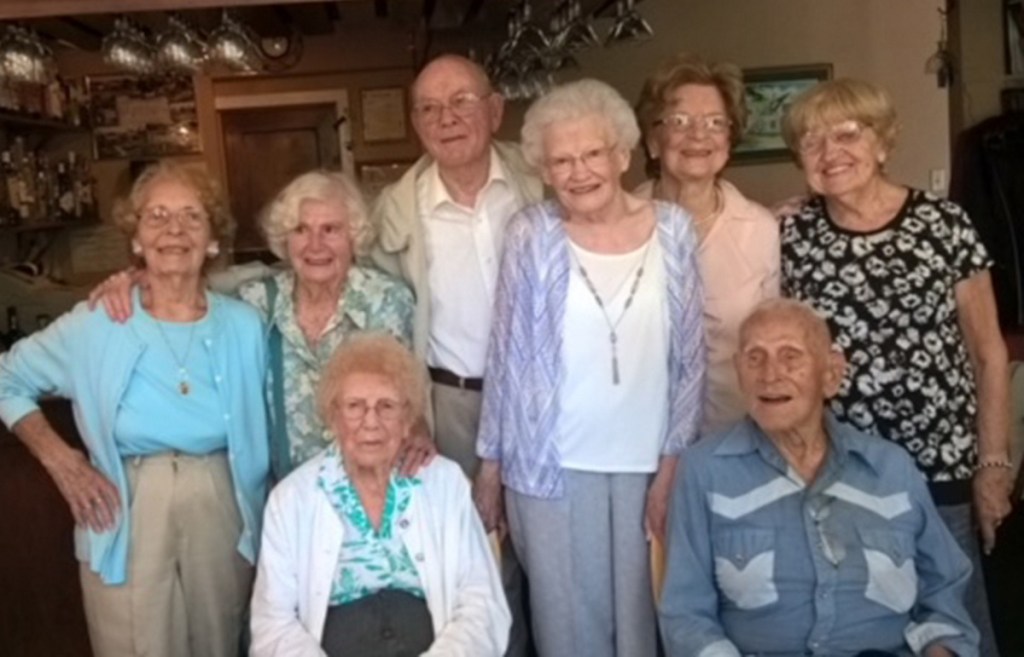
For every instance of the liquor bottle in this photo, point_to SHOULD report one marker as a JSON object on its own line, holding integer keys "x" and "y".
{"x": 14, "y": 332}
{"x": 11, "y": 189}
{"x": 27, "y": 188}
{"x": 65, "y": 194}
{"x": 84, "y": 188}
{"x": 43, "y": 210}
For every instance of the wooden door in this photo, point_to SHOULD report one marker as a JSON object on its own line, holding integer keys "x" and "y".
{"x": 264, "y": 149}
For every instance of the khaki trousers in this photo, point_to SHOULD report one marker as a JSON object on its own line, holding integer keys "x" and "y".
{"x": 188, "y": 588}
{"x": 456, "y": 420}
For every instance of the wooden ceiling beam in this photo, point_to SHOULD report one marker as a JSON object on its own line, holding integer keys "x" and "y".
{"x": 19, "y": 9}
{"x": 69, "y": 31}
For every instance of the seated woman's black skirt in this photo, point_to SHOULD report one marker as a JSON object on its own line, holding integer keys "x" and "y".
{"x": 386, "y": 624}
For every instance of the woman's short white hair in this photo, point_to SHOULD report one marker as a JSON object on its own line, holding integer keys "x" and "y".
{"x": 573, "y": 101}
{"x": 281, "y": 216}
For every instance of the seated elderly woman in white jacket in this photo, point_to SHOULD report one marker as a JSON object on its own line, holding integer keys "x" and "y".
{"x": 358, "y": 560}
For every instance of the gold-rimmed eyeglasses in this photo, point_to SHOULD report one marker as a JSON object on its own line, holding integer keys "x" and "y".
{"x": 355, "y": 409}
{"x": 844, "y": 133}
{"x": 715, "y": 124}
{"x": 160, "y": 217}
{"x": 462, "y": 104}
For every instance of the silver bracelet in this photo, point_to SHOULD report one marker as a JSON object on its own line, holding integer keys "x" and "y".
{"x": 994, "y": 463}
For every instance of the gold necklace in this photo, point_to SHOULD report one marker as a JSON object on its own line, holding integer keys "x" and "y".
{"x": 183, "y": 383}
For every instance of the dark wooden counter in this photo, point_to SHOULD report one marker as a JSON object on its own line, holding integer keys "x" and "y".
{"x": 40, "y": 597}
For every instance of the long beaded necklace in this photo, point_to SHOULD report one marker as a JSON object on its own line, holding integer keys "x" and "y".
{"x": 613, "y": 336}
{"x": 183, "y": 382}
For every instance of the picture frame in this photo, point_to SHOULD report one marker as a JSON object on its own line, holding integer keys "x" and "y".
{"x": 383, "y": 115}
{"x": 769, "y": 91}
{"x": 375, "y": 176}
{"x": 143, "y": 117}
{"x": 1013, "y": 40}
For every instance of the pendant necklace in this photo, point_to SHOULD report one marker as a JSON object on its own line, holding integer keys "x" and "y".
{"x": 613, "y": 336}
{"x": 183, "y": 385}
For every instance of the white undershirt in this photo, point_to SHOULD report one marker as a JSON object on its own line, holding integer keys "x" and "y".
{"x": 463, "y": 254}
{"x": 604, "y": 427}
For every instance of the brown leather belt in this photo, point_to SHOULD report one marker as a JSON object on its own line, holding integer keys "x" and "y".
{"x": 446, "y": 378}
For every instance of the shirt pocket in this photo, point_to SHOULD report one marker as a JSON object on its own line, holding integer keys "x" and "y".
{"x": 745, "y": 566}
{"x": 891, "y": 571}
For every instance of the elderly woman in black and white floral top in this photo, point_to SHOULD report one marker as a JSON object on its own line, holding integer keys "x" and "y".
{"x": 902, "y": 278}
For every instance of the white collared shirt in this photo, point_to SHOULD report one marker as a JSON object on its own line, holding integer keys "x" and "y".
{"x": 463, "y": 254}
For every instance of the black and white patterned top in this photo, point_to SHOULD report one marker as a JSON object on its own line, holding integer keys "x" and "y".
{"x": 888, "y": 296}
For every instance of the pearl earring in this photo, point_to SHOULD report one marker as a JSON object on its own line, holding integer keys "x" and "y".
{"x": 213, "y": 250}
{"x": 136, "y": 249}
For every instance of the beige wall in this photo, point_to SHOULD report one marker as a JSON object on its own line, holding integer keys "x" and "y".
{"x": 884, "y": 41}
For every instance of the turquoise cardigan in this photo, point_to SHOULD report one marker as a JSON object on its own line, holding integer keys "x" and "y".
{"x": 89, "y": 359}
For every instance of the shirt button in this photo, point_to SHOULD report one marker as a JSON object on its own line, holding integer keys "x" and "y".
{"x": 208, "y": 342}
{"x": 387, "y": 633}
{"x": 419, "y": 556}
{"x": 403, "y": 523}
{"x": 216, "y": 378}
{"x": 227, "y": 416}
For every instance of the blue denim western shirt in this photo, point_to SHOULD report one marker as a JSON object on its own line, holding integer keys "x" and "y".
{"x": 759, "y": 563}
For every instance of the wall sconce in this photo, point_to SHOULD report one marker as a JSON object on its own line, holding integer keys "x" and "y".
{"x": 940, "y": 64}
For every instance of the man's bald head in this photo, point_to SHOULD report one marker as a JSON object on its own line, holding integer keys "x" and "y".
{"x": 819, "y": 338}
{"x": 453, "y": 65}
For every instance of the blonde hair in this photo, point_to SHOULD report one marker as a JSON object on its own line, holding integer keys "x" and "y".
{"x": 840, "y": 100}
{"x": 378, "y": 354}
{"x": 573, "y": 101}
{"x": 281, "y": 216}
{"x": 687, "y": 68}
{"x": 126, "y": 208}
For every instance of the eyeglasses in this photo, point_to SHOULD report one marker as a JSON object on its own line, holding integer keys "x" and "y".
{"x": 590, "y": 160}
{"x": 462, "y": 104}
{"x": 387, "y": 410}
{"x": 831, "y": 547}
{"x": 715, "y": 124}
{"x": 844, "y": 133}
{"x": 160, "y": 217}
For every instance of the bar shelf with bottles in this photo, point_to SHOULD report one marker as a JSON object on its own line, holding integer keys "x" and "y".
{"x": 40, "y": 189}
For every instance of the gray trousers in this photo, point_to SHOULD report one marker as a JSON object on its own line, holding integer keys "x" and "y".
{"x": 588, "y": 563}
{"x": 960, "y": 521}
{"x": 456, "y": 420}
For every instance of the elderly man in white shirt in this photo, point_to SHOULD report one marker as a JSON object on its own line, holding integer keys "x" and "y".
{"x": 441, "y": 228}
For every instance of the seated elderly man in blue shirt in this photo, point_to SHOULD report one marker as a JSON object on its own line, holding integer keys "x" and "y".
{"x": 793, "y": 534}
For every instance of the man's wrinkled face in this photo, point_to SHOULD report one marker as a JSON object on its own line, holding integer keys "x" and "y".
{"x": 454, "y": 112}
{"x": 786, "y": 372}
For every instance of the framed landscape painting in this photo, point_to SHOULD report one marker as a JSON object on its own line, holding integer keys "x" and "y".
{"x": 769, "y": 91}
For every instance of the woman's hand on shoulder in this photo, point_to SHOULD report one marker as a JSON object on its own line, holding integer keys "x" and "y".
{"x": 115, "y": 293}
{"x": 417, "y": 450}
{"x": 789, "y": 206}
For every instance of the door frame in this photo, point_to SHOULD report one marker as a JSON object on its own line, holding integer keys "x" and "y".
{"x": 336, "y": 97}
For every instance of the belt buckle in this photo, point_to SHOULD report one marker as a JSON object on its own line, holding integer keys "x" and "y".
{"x": 462, "y": 382}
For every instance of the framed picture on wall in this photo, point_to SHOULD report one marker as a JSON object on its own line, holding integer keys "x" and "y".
{"x": 769, "y": 91}
{"x": 375, "y": 176}
{"x": 383, "y": 114}
{"x": 1013, "y": 26}
{"x": 143, "y": 118}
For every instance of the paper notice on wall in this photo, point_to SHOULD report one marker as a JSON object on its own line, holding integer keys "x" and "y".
{"x": 140, "y": 112}
{"x": 99, "y": 249}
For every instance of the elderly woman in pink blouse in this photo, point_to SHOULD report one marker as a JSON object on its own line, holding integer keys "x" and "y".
{"x": 692, "y": 113}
